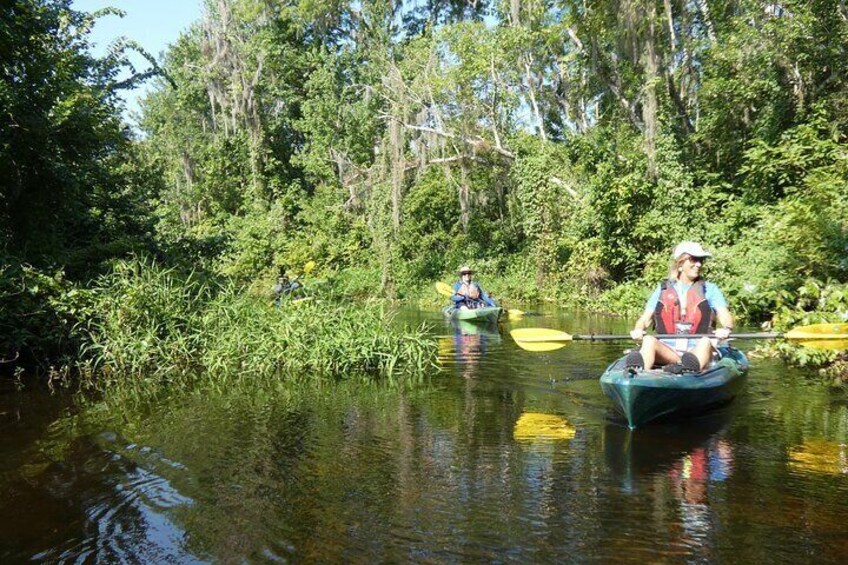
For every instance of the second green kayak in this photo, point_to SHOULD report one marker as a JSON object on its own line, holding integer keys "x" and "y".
{"x": 488, "y": 314}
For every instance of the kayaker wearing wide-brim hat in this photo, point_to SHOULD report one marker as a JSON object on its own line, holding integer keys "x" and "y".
{"x": 682, "y": 304}
{"x": 468, "y": 294}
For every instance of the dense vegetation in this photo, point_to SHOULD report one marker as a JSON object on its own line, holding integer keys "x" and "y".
{"x": 561, "y": 147}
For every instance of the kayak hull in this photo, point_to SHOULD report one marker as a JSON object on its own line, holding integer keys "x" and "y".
{"x": 651, "y": 395}
{"x": 486, "y": 315}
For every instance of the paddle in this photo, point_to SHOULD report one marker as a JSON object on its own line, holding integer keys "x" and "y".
{"x": 307, "y": 268}
{"x": 446, "y": 290}
{"x": 819, "y": 336}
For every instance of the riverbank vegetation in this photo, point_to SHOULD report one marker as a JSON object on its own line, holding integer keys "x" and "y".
{"x": 151, "y": 327}
{"x": 562, "y": 148}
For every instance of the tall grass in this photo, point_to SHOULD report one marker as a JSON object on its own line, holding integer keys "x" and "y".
{"x": 154, "y": 327}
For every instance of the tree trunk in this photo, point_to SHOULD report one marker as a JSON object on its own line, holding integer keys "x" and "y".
{"x": 531, "y": 88}
{"x": 669, "y": 16}
{"x": 649, "y": 105}
{"x": 464, "y": 196}
{"x": 704, "y": 8}
{"x": 397, "y": 164}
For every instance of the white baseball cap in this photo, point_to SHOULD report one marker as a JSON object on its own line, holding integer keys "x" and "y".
{"x": 690, "y": 248}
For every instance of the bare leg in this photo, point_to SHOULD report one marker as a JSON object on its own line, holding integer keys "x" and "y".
{"x": 654, "y": 351}
{"x": 703, "y": 350}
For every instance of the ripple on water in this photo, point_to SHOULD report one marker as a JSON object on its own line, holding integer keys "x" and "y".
{"x": 439, "y": 474}
{"x": 125, "y": 503}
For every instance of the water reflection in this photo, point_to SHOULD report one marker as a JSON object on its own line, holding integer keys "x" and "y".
{"x": 93, "y": 503}
{"x": 538, "y": 427}
{"x": 681, "y": 463}
{"x": 510, "y": 466}
{"x": 471, "y": 341}
{"x": 690, "y": 478}
{"x": 632, "y": 455}
{"x": 819, "y": 456}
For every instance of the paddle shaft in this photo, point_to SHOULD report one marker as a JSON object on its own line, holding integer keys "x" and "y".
{"x": 819, "y": 336}
{"x": 600, "y": 337}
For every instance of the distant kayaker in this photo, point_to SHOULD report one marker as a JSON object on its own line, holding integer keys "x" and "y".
{"x": 283, "y": 288}
{"x": 468, "y": 294}
{"x": 682, "y": 304}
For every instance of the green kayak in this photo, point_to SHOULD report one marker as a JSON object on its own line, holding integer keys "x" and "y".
{"x": 649, "y": 395}
{"x": 488, "y": 314}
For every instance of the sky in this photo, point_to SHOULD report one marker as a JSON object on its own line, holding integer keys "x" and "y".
{"x": 154, "y": 24}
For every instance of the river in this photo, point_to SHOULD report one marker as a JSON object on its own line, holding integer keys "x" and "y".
{"x": 501, "y": 456}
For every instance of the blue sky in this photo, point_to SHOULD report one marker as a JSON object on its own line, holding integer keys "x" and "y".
{"x": 152, "y": 23}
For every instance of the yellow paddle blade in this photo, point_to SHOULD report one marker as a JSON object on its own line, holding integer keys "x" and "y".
{"x": 540, "y": 339}
{"x": 820, "y": 336}
{"x": 444, "y": 289}
{"x": 308, "y": 267}
{"x": 540, "y": 346}
{"x": 535, "y": 426}
{"x": 515, "y": 314}
{"x": 446, "y": 348}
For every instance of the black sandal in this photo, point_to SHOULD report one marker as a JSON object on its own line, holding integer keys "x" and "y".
{"x": 634, "y": 360}
{"x": 689, "y": 363}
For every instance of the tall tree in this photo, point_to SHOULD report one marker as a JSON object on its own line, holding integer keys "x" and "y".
{"x": 62, "y": 144}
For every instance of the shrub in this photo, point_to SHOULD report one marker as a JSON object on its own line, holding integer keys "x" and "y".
{"x": 155, "y": 327}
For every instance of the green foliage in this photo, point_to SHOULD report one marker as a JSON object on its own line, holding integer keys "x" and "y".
{"x": 804, "y": 234}
{"x": 814, "y": 302}
{"x": 74, "y": 191}
{"x": 67, "y": 189}
{"x": 773, "y": 170}
{"x": 427, "y": 239}
{"x": 542, "y": 207}
{"x": 356, "y": 283}
{"x": 154, "y": 327}
{"x": 563, "y": 149}
{"x": 338, "y": 118}
{"x": 38, "y": 312}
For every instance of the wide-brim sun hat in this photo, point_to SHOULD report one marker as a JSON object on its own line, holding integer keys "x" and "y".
{"x": 690, "y": 248}
{"x": 466, "y": 269}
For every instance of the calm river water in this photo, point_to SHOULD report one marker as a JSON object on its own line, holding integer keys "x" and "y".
{"x": 502, "y": 456}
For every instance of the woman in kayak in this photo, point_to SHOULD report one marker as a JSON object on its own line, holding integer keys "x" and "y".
{"x": 682, "y": 304}
{"x": 468, "y": 294}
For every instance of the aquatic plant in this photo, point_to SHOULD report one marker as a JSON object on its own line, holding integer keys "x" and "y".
{"x": 156, "y": 327}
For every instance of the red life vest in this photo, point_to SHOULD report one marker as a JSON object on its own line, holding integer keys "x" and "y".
{"x": 669, "y": 312}
{"x": 471, "y": 291}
